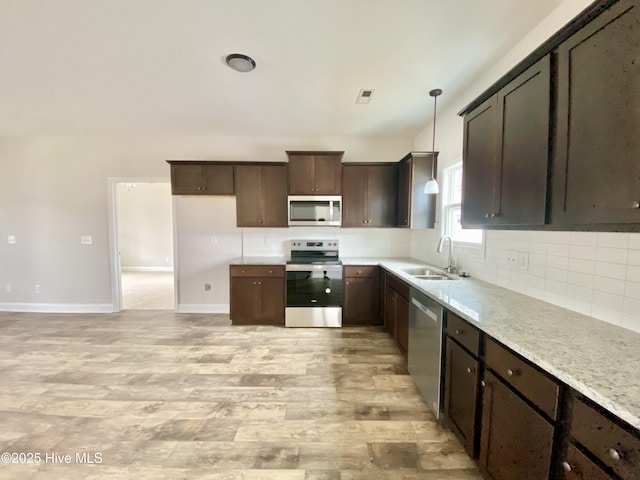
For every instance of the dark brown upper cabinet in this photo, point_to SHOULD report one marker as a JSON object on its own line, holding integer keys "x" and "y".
{"x": 370, "y": 194}
{"x": 201, "y": 178}
{"x": 506, "y": 153}
{"x": 415, "y": 208}
{"x": 597, "y": 160}
{"x": 261, "y": 195}
{"x": 315, "y": 173}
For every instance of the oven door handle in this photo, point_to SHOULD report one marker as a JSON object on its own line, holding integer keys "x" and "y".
{"x": 295, "y": 267}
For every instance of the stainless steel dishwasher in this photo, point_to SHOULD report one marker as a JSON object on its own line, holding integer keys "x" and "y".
{"x": 425, "y": 348}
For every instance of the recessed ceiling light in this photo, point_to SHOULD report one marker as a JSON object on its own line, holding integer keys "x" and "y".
{"x": 240, "y": 62}
{"x": 364, "y": 96}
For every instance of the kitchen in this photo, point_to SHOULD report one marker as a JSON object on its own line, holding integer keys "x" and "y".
{"x": 583, "y": 264}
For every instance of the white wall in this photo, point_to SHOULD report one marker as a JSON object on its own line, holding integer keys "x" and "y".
{"x": 54, "y": 189}
{"x": 597, "y": 274}
{"x": 145, "y": 226}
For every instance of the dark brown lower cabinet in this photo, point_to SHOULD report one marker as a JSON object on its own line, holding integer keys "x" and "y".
{"x": 257, "y": 295}
{"x": 462, "y": 372}
{"x": 577, "y": 466}
{"x": 361, "y": 296}
{"x": 396, "y": 311}
{"x": 515, "y": 441}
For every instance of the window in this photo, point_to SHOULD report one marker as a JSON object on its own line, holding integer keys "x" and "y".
{"x": 452, "y": 209}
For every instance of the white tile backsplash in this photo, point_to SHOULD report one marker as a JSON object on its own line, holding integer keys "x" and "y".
{"x": 594, "y": 273}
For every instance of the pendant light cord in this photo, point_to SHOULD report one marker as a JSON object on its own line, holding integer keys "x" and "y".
{"x": 433, "y": 144}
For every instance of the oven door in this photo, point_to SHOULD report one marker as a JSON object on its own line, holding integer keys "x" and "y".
{"x": 314, "y": 285}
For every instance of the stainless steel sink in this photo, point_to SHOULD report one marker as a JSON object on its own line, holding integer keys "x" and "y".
{"x": 428, "y": 273}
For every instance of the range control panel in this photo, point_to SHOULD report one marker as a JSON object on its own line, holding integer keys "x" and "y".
{"x": 314, "y": 245}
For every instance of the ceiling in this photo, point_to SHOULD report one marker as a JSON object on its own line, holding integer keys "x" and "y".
{"x": 157, "y": 66}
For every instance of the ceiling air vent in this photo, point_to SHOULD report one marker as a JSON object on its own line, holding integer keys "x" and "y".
{"x": 365, "y": 95}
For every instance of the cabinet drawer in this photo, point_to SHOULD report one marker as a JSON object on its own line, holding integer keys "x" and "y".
{"x": 577, "y": 466}
{"x": 356, "y": 271}
{"x": 607, "y": 440}
{"x": 257, "y": 270}
{"x": 461, "y": 331}
{"x": 532, "y": 383}
{"x": 398, "y": 285}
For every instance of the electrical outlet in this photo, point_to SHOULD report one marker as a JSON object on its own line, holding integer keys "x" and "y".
{"x": 523, "y": 261}
{"x": 11, "y": 239}
{"x": 207, "y": 287}
{"x": 86, "y": 240}
{"x": 511, "y": 258}
{"x": 214, "y": 240}
{"x": 36, "y": 289}
{"x": 9, "y": 288}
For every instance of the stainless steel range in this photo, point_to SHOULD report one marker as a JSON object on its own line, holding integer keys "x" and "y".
{"x": 314, "y": 284}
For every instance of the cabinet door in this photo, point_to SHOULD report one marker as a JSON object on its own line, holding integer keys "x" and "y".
{"x": 404, "y": 192}
{"x": 245, "y": 298}
{"x": 461, "y": 393}
{"x": 577, "y": 466}
{"x": 361, "y": 301}
{"x": 274, "y": 196}
{"x": 219, "y": 179}
{"x": 402, "y": 323}
{"x": 597, "y": 162}
{"x": 479, "y": 164}
{"x": 355, "y": 179}
{"x": 515, "y": 442}
{"x": 390, "y": 300}
{"x": 187, "y": 179}
{"x": 248, "y": 186}
{"x": 328, "y": 175}
{"x": 301, "y": 174}
{"x": 521, "y": 179}
{"x": 382, "y": 196}
{"x": 271, "y": 308}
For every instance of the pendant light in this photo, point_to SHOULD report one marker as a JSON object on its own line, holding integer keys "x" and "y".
{"x": 431, "y": 187}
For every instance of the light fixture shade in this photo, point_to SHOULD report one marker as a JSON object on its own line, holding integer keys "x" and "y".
{"x": 431, "y": 187}
{"x": 240, "y": 63}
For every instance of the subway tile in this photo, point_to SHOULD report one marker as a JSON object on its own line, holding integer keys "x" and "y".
{"x": 580, "y": 279}
{"x": 632, "y": 290}
{"x": 583, "y": 238}
{"x": 557, "y": 274}
{"x": 608, "y": 315}
{"x": 611, "y": 270}
{"x": 538, "y": 248}
{"x": 608, "y": 300}
{"x": 519, "y": 277}
{"x": 631, "y": 322}
{"x": 555, "y": 287}
{"x": 535, "y": 292}
{"x": 633, "y": 273}
{"x": 577, "y": 305}
{"x": 537, "y": 270}
{"x": 582, "y": 266}
{"x": 633, "y": 257}
{"x": 558, "y": 250}
{"x": 612, "y": 255}
{"x": 537, "y": 259}
{"x": 558, "y": 262}
{"x": 559, "y": 237}
{"x": 631, "y": 305}
{"x": 582, "y": 252}
{"x": 535, "y": 281}
{"x": 613, "y": 239}
{"x": 555, "y": 298}
{"x": 518, "y": 287}
{"x": 579, "y": 293}
{"x": 610, "y": 285}
{"x": 634, "y": 241}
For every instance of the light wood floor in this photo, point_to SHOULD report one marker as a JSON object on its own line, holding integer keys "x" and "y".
{"x": 165, "y": 396}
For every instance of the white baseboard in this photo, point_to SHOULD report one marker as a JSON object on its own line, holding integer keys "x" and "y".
{"x": 57, "y": 307}
{"x": 147, "y": 269}
{"x": 203, "y": 308}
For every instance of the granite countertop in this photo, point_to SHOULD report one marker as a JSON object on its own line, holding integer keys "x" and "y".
{"x": 599, "y": 360}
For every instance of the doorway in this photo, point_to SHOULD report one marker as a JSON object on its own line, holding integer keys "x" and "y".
{"x": 142, "y": 245}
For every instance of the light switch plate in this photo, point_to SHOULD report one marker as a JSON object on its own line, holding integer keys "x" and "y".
{"x": 11, "y": 239}
{"x": 86, "y": 240}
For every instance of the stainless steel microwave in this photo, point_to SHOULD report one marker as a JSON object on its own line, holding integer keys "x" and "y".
{"x": 317, "y": 211}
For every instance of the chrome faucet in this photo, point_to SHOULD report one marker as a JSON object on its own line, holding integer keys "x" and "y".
{"x": 451, "y": 267}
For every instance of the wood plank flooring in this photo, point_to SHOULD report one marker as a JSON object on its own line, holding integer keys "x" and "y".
{"x": 158, "y": 395}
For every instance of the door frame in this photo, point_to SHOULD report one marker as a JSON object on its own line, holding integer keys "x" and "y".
{"x": 114, "y": 247}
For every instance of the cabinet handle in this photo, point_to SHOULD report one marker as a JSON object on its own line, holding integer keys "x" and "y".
{"x": 458, "y": 331}
{"x": 511, "y": 373}
{"x": 486, "y": 215}
{"x": 566, "y": 467}
{"x": 470, "y": 370}
{"x": 347, "y": 283}
{"x": 635, "y": 205}
{"x": 270, "y": 271}
{"x": 613, "y": 453}
{"x": 483, "y": 383}
{"x": 359, "y": 272}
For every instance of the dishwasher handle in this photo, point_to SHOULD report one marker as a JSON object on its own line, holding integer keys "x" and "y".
{"x": 430, "y": 313}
